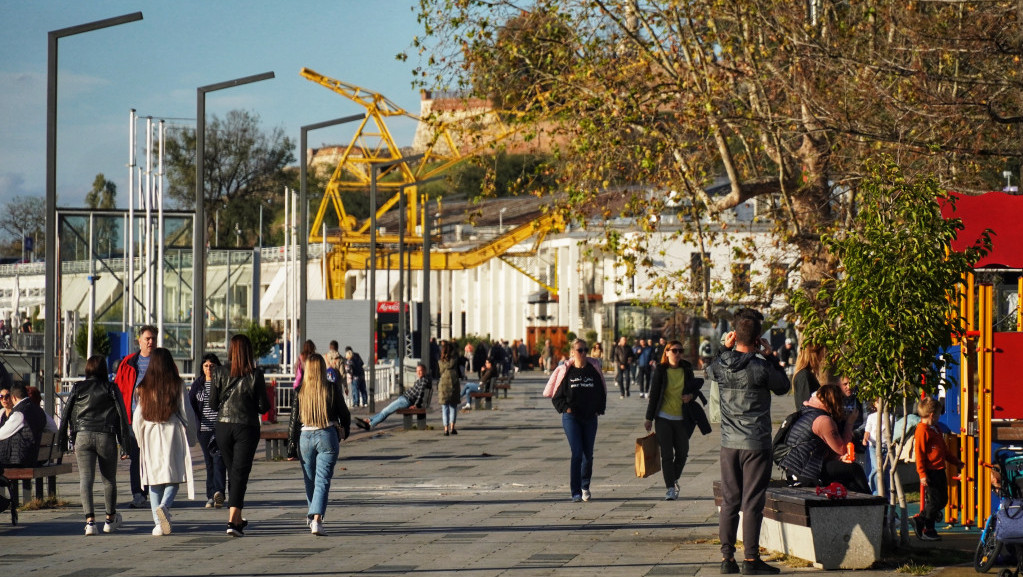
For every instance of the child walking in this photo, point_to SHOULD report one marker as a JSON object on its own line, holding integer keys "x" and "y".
{"x": 931, "y": 456}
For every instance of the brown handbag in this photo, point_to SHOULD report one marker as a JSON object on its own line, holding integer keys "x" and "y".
{"x": 648, "y": 456}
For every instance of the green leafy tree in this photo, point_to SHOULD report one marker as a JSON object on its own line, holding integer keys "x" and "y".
{"x": 263, "y": 338}
{"x": 103, "y": 195}
{"x": 893, "y": 310}
{"x": 100, "y": 341}
{"x": 25, "y": 216}
{"x": 244, "y": 166}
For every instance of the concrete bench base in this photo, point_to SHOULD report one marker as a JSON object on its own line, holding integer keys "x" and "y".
{"x": 481, "y": 400}
{"x": 830, "y": 533}
{"x": 420, "y": 415}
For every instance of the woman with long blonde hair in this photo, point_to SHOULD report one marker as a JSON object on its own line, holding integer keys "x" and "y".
{"x": 164, "y": 431}
{"x": 811, "y": 371}
{"x": 320, "y": 420}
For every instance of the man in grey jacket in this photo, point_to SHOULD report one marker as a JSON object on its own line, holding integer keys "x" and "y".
{"x": 746, "y": 376}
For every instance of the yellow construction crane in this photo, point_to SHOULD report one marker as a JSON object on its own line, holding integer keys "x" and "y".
{"x": 373, "y": 144}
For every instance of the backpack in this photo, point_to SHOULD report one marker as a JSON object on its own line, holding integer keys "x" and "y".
{"x": 779, "y": 444}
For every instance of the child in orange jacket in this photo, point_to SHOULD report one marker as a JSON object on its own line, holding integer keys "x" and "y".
{"x": 931, "y": 456}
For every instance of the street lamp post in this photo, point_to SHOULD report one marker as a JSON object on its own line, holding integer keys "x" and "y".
{"x": 303, "y": 221}
{"x": 199, "y": 225}
{"x": 50, "y": 324}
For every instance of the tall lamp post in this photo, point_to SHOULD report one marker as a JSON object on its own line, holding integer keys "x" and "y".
{"x": 303, "y": 222}
{"x": 199, "y": 226}
{"x": 50, "y": 325}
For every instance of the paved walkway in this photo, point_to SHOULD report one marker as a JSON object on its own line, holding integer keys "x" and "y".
{"x": 492, "y": 500}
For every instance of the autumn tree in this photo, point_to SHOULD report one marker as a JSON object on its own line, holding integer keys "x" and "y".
{"x": 25, "y": 216}
{"x": 244, "y": 166}
{"x": 772, "y": 101}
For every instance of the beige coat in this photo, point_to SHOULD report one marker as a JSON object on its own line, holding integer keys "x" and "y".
{"x": 163, "y": 447}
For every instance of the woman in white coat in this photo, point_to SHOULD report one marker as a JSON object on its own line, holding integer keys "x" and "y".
{"x": 164, "y": 431}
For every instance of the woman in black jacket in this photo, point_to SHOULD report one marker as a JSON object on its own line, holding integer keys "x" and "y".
{"x": 319, "y": 422}
{"x": 239, "y": 394}
{"x": 95, "y": 414}
{"x": 672, "y": 390}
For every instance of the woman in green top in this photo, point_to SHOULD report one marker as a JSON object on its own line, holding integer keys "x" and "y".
{"x": 668, "y": 394}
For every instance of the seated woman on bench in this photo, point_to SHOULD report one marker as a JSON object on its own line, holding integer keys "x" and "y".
{"x": 485, "y": 385}
{"x": 20, "y": 435}
{"x": 817, "y": 443}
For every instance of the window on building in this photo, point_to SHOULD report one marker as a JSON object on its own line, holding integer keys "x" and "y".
{"x": 741, "y": 278}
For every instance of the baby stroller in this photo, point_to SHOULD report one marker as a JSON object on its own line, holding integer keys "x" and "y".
{"x": 1007, "y": 478}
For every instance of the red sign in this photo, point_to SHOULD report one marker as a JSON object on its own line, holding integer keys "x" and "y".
{"x": 389, "y": 307}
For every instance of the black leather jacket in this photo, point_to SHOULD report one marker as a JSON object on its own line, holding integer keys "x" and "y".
{"x": 337, "y": 411}
{"x": 238, "y": 400}
{"x": 95, "y": 407}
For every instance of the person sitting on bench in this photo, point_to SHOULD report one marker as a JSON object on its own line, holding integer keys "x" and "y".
{"x": 415, "y": 396}
{"x": 20, "y": 435}
{"x": 485, "y": 385}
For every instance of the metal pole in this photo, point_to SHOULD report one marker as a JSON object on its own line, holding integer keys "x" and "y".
{"x": 129, "y": 250}
{"x": 372, "y": 287}
{"x": 149, "y": 220}
{"x": 289, "y": 338}
{"x": 424, "y": 320}
{"x": 401, "y": 291}
{"x": 199, "y": 226}
{"x": 92, "y": 283}
{"x": 52, "y": 266}
{"x": 303, "y": 199}
{"x": 160, "y": 239}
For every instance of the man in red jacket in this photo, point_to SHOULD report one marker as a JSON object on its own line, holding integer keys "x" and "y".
{"x": 129, "y": 375}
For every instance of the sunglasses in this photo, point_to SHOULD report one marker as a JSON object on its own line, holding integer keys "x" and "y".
{"x": 676, "y": 351}
{"x": 4, "y": 396}
{"x": 583, "y": 351}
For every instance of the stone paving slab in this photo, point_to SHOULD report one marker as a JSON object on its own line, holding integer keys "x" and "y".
{"x": 491, "y": 501}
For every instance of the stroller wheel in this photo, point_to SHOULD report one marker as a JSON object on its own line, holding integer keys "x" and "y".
{"x": 1005, "y": 572}
{"x": 988, "y": 548}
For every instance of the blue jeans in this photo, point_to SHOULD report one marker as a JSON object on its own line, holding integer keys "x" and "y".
{"x": 871, "y": 468}
{"x": 448, "y": 413}
{"x": 399, "y": 403}
{"x": 359, "y": 394}
{"x": 469, "y": 388}
{"x": 581, "y": 433}
{"x": 318, "y": 451}
{"x": 162, "y": 495}
{"x": 216, "y": 469}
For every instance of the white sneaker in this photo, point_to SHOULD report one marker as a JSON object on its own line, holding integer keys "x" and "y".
{"x": 163, "y": 517}
{"x": 91, "y": 529}
{"x": 586, "y": 494}
{"x": 316, "y": 528}
{"x": 467, "y": 406}
{"x": 157, "y": 531}
{"x": 138, "y": 501}
{"x": 112, "y": 524}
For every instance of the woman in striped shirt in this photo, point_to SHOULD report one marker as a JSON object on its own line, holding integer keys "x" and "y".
{"x": 198, "y": 397}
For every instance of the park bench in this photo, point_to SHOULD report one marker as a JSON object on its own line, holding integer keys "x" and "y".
{"x": 830, "y": 533}
{"x": 48, "y": 465}
{"x": 419, "y": 414}
{"x": 504, "y": 383}
{"x": 481, "y": 400}
{"x": 275, "y": 439}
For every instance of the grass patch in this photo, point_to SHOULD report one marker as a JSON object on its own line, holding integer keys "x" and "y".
{"x": 914, "y": 568}
{"x": 787, "y": 560}
{"x": 48, "y": 503}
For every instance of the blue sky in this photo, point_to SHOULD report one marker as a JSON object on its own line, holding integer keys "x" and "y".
{"x": 155, "y": 66}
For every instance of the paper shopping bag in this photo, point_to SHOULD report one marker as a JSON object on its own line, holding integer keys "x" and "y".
{"x": 648, "y": 456}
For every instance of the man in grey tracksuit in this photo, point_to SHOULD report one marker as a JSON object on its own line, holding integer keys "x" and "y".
{"x": 746, "y": 376}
